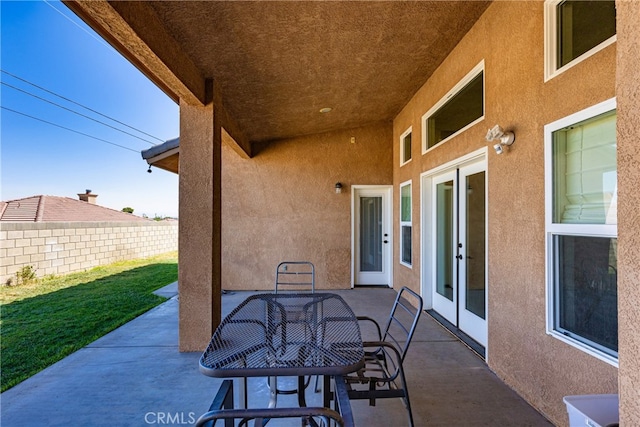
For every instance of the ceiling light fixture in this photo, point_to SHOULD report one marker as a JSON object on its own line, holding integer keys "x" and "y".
{"x": 326, "y": 110}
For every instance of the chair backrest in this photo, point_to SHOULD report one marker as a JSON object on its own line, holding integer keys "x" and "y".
{"x": 402, "y": 321}
{"x": 295, "y": 276}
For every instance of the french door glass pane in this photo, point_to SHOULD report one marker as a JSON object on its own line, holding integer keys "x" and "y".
{"x": 444, "y": 239}
{"x": 371, "y": 234}
{"x": 475, "y": 239}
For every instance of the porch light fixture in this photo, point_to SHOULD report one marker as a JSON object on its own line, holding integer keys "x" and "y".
{"x": 338, "y": 188}
{"x": 503, "y": 138}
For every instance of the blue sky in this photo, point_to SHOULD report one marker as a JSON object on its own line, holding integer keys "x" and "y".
{"x": 62, "y": 55}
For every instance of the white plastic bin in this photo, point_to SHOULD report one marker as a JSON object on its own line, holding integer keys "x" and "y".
{"x": 592, "y": 410}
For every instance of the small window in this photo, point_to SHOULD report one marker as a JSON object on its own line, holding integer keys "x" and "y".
{"x": 405, "y": 147}
{"x": 405, "y": 224}
{"x": 581, "y": 194}
{"x": 575, "y": 30}
{"x": 462, "y": 107}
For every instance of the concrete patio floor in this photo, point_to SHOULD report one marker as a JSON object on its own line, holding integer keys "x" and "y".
{"x": 135, "y": 376}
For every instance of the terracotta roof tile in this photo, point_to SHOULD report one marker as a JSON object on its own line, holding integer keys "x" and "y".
{"x": 59, "y": 209}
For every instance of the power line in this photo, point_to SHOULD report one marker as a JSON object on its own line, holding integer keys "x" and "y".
{"x": 69, "y": 129}
{"x": 80, "y": 105}
{"x": 77, "y": 25}
{"x": 75, "y": 112}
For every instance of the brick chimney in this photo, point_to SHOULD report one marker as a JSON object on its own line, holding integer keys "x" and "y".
{"x": 87, "y": 196}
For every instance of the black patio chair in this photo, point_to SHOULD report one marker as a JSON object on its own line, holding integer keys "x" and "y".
{"x": 295, "y": 276}
{"x": 383, "y": 374}
{"x": 222, "y": 408}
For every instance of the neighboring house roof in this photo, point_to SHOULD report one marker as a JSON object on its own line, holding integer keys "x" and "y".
{"x": 59, "y": 209}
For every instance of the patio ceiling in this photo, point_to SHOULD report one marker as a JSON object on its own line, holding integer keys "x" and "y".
{"x": 277, "y": 64}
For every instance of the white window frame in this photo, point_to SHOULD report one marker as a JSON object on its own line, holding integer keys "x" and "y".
{"x": 405, "y": 223}
{"x": 584, "y": 230}
{"x": 551, "y": 69}
{"x": 454, "y": 91}
{"x": 402, "y": 152}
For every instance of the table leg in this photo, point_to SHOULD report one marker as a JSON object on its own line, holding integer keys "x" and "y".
{"x": 302, "y": 400}
{"x": 273, "y": 392}
{"x": 242, "y": 393}
{"x": 341, "y": 400}
{"x": 326, "y": 391}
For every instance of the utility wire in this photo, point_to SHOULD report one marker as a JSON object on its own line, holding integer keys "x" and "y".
{"x": 66, "y": 128}
{"x": 77, "y": 25}
{"x": 75, "y": 112}
{"x": 80, "y": 105}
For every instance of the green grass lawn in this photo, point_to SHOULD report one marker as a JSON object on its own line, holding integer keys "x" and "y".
{"x": 43, "y": 322}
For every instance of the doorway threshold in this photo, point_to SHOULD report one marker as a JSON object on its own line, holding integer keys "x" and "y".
{"x": 466, "y": 339}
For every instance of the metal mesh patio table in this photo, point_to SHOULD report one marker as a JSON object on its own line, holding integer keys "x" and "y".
{"x": 287, "y": 334}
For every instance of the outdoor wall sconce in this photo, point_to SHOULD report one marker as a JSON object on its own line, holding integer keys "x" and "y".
{"x": 504, "y": 138}
{"x": 338, "y": 188}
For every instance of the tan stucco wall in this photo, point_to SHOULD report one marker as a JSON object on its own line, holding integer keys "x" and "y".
{"x": 67, "y": 247}
{"x": 281, "y": 204}
{"x": 509, "y": 38}
{"x": 628, "y": 99}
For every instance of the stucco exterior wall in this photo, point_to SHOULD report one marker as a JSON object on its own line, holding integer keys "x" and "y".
{"x": 67, "y": 247}
{"x": 628, "y": 99}
{"x": 281, "y": 204}
{"x": 509, "y": 37}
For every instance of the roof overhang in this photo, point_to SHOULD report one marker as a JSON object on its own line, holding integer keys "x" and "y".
{"x": 164, "y": 156}
{"x": 276, "y": 64}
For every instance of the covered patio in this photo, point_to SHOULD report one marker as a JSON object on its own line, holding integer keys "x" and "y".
{"x": 135, "y": 376}
{"x": 282, "y": 103}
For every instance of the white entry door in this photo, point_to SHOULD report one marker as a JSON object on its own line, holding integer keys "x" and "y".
{"x": 458, "y": 260}
{"x": 372, "y": 236}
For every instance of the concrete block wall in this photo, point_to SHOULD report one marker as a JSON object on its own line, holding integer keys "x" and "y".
{"x": 66, "y": 247}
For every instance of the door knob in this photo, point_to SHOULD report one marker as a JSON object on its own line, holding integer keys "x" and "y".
{"x": 459, "y": 257}
{"x": 386, "y": 241}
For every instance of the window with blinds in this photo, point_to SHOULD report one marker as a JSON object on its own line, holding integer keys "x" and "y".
{"x": 405, "y": 224}
{"x": 585, "y": 172}
{"x": 581, "y": 230}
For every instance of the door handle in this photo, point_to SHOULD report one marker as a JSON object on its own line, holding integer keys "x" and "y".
{"x": 385, "y": 241}
{"x": 459, "y": 257}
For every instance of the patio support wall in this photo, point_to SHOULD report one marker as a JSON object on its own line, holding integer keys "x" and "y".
{"x": 628, "y": 101}
{"x": 199, "y": 274}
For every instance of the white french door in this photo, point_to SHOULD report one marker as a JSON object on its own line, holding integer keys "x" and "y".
{"x": 445, "y": 236}
{"x": 458, "y": 248}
